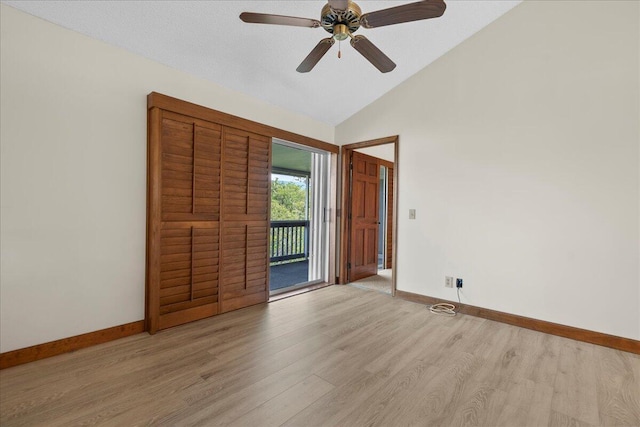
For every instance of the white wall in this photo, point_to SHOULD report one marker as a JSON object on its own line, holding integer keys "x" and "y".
{"x": 73, "y": 176}
{"x": 384, "y": 151}
{"x": 520, "y": 151}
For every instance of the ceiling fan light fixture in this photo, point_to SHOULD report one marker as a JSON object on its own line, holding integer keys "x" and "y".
{"x": 340, "y": 32}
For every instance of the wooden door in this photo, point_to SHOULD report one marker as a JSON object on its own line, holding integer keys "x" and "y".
{"x": 184, "y": 214}
{"x": 245, "y": 219}
{"x": 363, "y": 248}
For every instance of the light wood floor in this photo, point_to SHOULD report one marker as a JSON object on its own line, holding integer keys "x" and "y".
{"x": 337, "y": 356}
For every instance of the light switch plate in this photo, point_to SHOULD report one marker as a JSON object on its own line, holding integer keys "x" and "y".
{"x": 412, "y": 214}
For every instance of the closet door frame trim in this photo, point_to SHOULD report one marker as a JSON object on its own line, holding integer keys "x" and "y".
{"x": 167, "y": 103}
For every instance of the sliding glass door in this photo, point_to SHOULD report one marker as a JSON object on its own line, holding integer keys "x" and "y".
{"x": 299, "y": 235}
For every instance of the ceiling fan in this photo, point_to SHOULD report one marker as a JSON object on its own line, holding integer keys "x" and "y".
{"x": 342, "y": 18}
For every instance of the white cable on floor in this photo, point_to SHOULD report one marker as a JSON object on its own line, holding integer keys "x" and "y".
{"x": 443, "y": 309}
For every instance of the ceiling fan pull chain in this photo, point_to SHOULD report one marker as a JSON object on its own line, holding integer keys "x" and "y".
{"x": 339, "y": 49}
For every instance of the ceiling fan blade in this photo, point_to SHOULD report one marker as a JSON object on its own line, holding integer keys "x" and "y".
{"x": 266, "y": 18}
{"x": 373, "y": 54}
{"x": 339, "y": 4}
{"x": 315, "y": 55}
{"x": 406, "y": 13}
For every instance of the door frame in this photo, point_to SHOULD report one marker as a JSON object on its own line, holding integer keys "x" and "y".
{"x": 330, "y": 217}
{"x": 389, "y": 216}
{"x": 345, "y": 185}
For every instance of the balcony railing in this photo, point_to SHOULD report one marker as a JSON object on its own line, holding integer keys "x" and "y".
{"x": 289, "y": 240}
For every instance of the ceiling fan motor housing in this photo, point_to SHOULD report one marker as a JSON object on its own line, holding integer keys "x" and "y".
{"x": 349, "y": 17}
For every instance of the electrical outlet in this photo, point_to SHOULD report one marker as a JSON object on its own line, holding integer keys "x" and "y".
{"x": 412, "y": 214}
{"x": 458, "y": 283}
{"x": 448, "y": 282}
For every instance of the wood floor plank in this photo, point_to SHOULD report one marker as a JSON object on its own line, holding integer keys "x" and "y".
{"x": 575, "y": 392}
{"x": 412, "y": 346}
{"x": 558, "y": 419}
{"x": 104, "y": 399}
{"x": 229, "y": 406}
{"x": 374, "y": 341}
{"x": 339, "y": 402}
{"x": 278, "y": 410}
{"x": 617, "y": 387}
{"x": 527, "y": 403}
{"x": 389, "y": 397}
{"x": 479, "y": 405}
{"x": 541, "y": 362}
{"x": 434, "y": 400}
{"x": 224, "y": 379}
{"x": 339, "y": 355}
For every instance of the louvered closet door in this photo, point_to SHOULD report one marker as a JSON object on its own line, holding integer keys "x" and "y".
{"x": 245, "y": 219}
{"x": 189, "y": 265}
{"x": 190, "y": 169}
{"x": 184, "y": 278}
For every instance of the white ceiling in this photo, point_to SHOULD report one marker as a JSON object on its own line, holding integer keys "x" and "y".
{"x": 208, "y": 40}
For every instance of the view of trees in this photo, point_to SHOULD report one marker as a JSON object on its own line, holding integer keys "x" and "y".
{"x": 288, "y": 199}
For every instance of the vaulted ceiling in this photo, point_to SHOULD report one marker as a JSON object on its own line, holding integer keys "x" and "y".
{"x": 208, "y": 40}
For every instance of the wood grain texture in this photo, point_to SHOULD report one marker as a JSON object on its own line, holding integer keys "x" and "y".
{"x": 371, "y": 142}
{"x": 425, "y": 9}
{"x": 315, "y": 55}
{"x": 396, "y": 196}
{"x": 154, "y": 219}
{"x": 168, "y": 103}
{"x": 344, "y": 225}
{"x": 190, "y": 165}
{"x": 183, "y": 245}
{"x": 189, "y": 266}
{"x": 208, "y": 213}
{"x": 335, "y": 356}
{"x": 245, "y": 219}
{"x": 245, "y": 176}
{"x": 599, "y": 338}
{"x": 364, "y": 216}
{"x": 66, "y": 345}
{"x": 380, "y": 282}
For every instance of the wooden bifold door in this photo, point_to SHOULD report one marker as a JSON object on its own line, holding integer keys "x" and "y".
{"x": 245, "y": 218}
{"x": 208, "y": 219}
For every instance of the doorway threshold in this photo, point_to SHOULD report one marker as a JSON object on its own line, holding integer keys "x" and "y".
{"x": 298, "y": 291}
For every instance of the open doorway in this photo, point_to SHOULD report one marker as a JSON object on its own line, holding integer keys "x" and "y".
{"x": 299, "y": 232}
{"x": 385, "y": 223}
{"x": 368, "y": 228}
